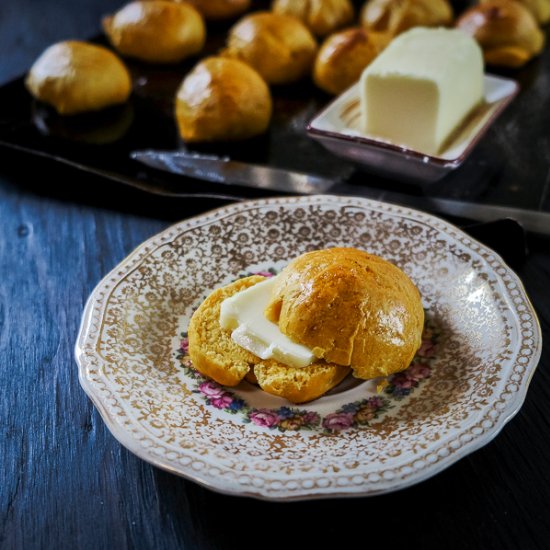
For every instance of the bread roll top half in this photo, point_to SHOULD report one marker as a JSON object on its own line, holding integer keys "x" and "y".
{"x": 350, "y": 308}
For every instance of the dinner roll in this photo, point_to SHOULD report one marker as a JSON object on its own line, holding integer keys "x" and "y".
{"x": 214, "y": 354}
{"x": 343, "y": 56}
{"x": 322, "y": 17}
{"x": 350, "y": 308}
{"x": 220, "y": 9}
{"x": 222, "y": 99}
{"x": 539, "y": 8}
{"x": 279, "y": 47}
{"x": 156, "y": 31}
{"x": 506, "y": 31}
{"x": 76, "y": 77}
{"x": 397, "y": 16}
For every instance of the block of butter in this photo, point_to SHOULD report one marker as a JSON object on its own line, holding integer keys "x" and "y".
{"x": 421, "y": 87}
{"x": 243, "y": 313}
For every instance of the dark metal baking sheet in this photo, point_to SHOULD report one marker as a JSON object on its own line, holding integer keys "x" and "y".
{"x": 510, "y": 166}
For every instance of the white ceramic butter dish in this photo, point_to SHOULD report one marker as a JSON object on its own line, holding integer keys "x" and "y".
{"x": 337, "y": 128}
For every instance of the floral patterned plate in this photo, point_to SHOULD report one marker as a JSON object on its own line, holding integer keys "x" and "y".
{"x": 481, "y": 345}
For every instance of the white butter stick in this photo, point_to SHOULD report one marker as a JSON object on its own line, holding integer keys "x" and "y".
{"x": 421, "y": 87}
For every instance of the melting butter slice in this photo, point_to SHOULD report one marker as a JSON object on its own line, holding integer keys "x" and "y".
{"x": 421, "y": 87}
{"x": 243, "y": 313}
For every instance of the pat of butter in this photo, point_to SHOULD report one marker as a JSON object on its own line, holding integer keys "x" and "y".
{"x": 243, "y": 313}
{"x": 421, "y": 87}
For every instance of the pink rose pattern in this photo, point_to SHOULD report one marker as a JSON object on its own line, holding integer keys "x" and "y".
{"x": 211, "y": 389}
{"x": 403, "y": 383}
{"x": 356, "y": 414}
{"x": 264, "y": 417}
{"x": 338, "y": 421}
{"x": 284, "y": 419}
{"x": 352, "y": 415}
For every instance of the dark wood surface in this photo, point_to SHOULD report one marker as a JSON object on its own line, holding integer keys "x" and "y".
{"x": 65, "y": 482}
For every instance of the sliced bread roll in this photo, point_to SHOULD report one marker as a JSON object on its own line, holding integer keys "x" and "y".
{"x": 214, "y": 354}
{"x": 299, "y": 385}
{"x": 211, "y": 349}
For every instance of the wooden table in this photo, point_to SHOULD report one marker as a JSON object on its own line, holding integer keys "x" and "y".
{"x": 65, "y": 482}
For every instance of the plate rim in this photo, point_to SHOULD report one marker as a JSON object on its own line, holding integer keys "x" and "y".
{"x": 93, "y": 303}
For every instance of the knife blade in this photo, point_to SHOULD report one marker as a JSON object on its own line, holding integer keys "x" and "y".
{"x": 535, "y": 221}
{"x": 231, "y": 172}
{"x": 228, "y": 172}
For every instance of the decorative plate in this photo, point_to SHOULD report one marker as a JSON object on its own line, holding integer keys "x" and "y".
{"x": 481, "y": 345}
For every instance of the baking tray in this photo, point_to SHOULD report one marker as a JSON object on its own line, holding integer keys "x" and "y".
{"x": 510, "y": 165}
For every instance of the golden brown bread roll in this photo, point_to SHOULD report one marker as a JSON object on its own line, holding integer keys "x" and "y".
{"x": 322, "y": 17}
{"x": 222, "y": 99}
{"x": 299, "y": 385}
{"x": 343, "y": 56}
{"x": 506, "y": 31}
{"x": 539, "y": 8}
{"x": 279, "y": 47}
{"x": 214, "y": 354}
{"x": 350, "y": 308}
{"x": 76, "y": 77}
{"x": 397, "y": 16}
{"x": 220, "y": 9}
{"x": 157, "y": 31}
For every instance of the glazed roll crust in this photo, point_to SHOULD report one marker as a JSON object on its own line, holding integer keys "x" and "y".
{"x": 279, "y": 47}
{"x": 343, "y": 57}
{"x": 76, "y": 77}
{"x": 322, "y": 17}
{"x": 506, "y": 31}
{"x": 397, "y": 16}
{"x": 156, "y": 31}
{"x": 222, "y": 100}
{"x": 350, "y": 308}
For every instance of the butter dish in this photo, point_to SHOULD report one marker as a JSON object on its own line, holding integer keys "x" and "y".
{"x": 337, "y": 128}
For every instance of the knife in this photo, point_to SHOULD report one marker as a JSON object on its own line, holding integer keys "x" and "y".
{"x": 230, "y": 172}
{"x": 535, "y": 221}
